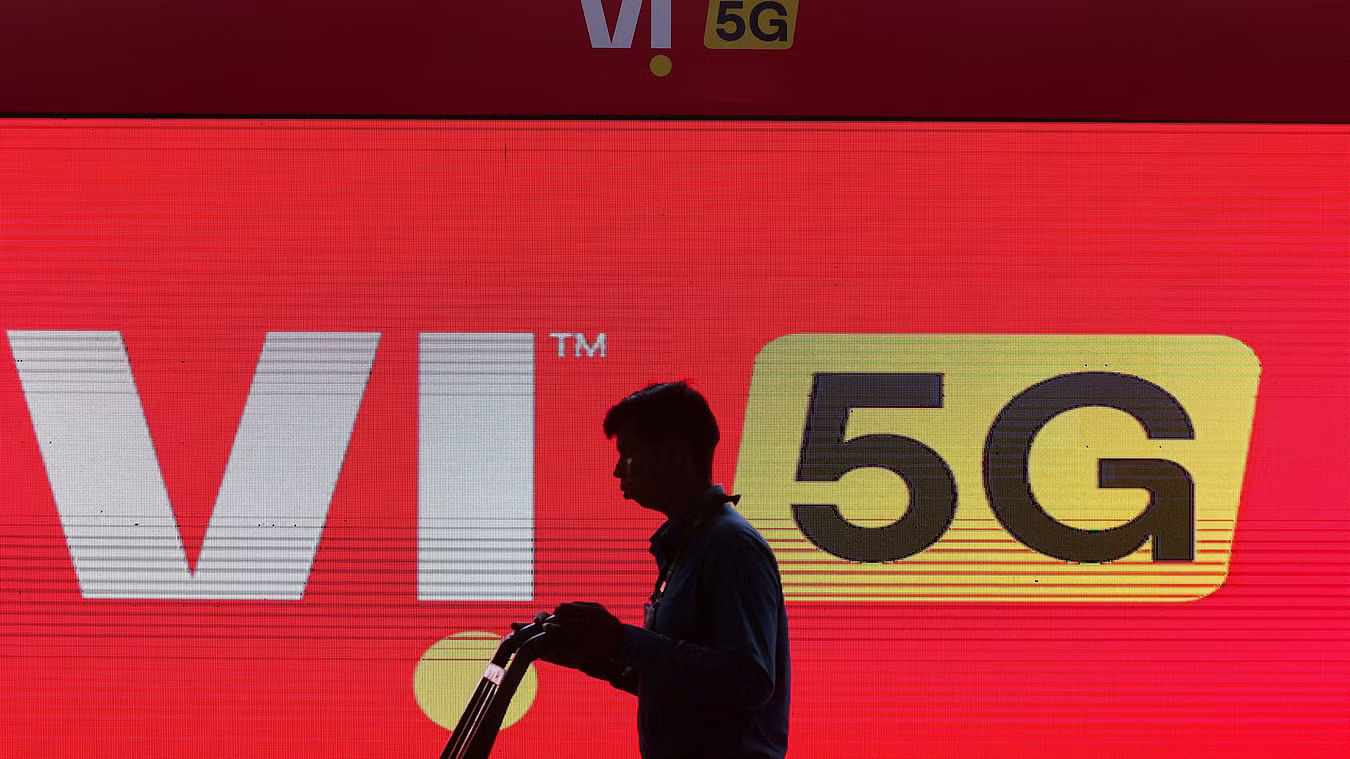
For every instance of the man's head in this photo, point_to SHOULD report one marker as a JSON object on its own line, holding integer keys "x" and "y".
{"x": 666, "y": 435}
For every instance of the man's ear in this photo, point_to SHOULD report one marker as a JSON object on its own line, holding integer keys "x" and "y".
{"x": 675, "y": 454}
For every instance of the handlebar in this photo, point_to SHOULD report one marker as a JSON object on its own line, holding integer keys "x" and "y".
{"x": 477, "y": 728}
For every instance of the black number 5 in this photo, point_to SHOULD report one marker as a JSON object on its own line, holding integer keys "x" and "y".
{"x": 724, "y": 17}
{"x": 827, "y": 456}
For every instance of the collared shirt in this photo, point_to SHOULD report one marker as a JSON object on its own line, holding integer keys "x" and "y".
{"x": 712, "y": 674}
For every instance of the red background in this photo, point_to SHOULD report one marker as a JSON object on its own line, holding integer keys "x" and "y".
{"x": 691, "y": 246}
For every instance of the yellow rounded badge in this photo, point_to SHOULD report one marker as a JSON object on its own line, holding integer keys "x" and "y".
{"x": 998, "y": 467}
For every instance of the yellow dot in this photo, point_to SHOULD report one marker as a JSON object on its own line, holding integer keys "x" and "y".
{"x": 449, "y": 672}
{"x": 660, "y": 65}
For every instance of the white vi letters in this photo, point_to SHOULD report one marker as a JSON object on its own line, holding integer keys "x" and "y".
{"x": 475, "y": 430}
{"x": 598, "y": 26}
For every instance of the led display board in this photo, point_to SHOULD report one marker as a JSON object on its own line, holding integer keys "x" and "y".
{"x": 1046, "y": 424}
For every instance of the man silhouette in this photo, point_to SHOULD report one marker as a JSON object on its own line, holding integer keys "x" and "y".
{"x": 710, "y": 664}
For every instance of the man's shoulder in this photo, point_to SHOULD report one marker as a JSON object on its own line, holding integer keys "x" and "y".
{"x": 734, "y": 548}
{"x": 730, "y": 531}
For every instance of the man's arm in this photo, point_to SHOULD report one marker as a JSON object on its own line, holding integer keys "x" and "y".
{"x": 614, "y": 672}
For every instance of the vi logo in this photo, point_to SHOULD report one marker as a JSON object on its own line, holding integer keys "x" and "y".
{"x": 729, "y": 25}
{"x": 879, "y": 467}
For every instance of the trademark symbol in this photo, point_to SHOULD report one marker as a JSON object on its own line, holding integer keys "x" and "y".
{"x": 579, "y": 343}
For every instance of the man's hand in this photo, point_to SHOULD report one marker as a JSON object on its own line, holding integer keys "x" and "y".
{"x": 552, "y": 649}
{"x": 580, "y": 635}
{"x": 588, "y": 629}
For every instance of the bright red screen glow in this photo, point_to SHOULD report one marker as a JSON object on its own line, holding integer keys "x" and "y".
{"x": 690, "y": 246}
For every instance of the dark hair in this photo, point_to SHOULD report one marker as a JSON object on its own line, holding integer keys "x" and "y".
{"x": 668, "y": 411}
